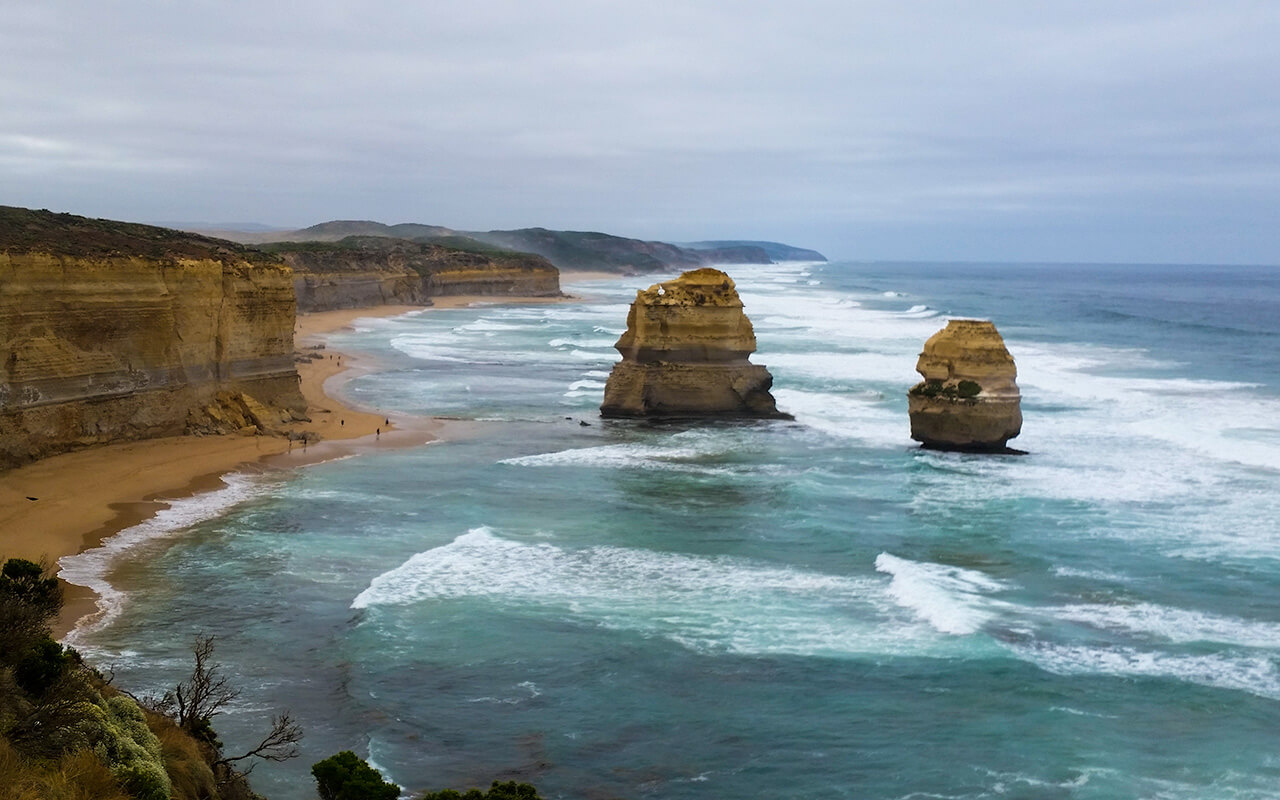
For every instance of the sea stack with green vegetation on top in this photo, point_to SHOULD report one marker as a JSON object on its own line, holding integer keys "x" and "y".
{"x": 969, "y": 398}
{"x": 685, "y": 354}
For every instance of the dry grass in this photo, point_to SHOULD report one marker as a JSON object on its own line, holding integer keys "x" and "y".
{"x": 76, "y": 776}
{"x": 183, "y": 760}
{"x": 82, "y": 776}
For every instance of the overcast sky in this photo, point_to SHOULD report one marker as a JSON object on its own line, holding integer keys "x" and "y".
{"x": 985, "y": 130}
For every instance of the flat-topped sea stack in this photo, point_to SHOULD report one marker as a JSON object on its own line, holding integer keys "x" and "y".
{"x": 685, "y": 354}
{"x": 969, "y": 397}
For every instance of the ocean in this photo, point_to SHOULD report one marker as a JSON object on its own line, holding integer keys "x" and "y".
{"x": 777, "y": 609}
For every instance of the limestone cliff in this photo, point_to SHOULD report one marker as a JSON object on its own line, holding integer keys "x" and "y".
{"x": 111, "y": 331}
{"x": 360, "y": 271}
{"x": 969, "y": 398}
{"x": 685, "y": 354}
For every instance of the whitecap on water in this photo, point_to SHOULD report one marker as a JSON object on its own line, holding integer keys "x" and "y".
{"x": 1255, "y": 674}
{"x": 1165, "y": 624}
{"x": 948, "y": 598}
{"x": 681, "y": 454}
{"x": 708, "y": 604}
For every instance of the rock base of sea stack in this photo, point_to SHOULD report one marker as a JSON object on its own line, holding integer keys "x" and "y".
{"x": 969, "y": 399}
{"x": 666, "y": 390}
{"x": 965, "y": 425}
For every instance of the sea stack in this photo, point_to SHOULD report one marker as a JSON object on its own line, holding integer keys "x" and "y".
{"x": 685, "y": 353}
{"x": 969, "y": 397}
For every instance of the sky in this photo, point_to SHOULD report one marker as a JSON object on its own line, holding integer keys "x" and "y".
{"x": 1116, "y": 131}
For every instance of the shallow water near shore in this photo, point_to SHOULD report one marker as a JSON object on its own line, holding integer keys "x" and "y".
{"x": 773, "y": 609}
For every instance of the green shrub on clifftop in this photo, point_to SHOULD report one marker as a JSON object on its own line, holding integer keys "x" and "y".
{"x": 132, "y": 751}
{"x": 29, "y": 600}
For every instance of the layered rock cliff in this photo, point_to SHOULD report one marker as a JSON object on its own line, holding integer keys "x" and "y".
{"x": 111, "y": 331}
{"x": 969, "y": 398}
{"x": 360, "y": 271}
{"x": 685, "y": 354}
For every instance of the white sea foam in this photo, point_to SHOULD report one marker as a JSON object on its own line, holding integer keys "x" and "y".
{"x": 678, "y": 456}
{"x": 1075, "y": 712}
{"x": 1255, "y": 674}
{"x": 948, "y": 598}
{"x": 860, "y": 368}
{"x": 862, "y": 416}
{"x": 488, "y": 325}
{"x": 920, "y": 311}
{"x": 373, "y": 762}
{"x": 600, "y": 344}
{"x": 595, "y": 355}
{"x": 706, "y": 604}
{"x": 90, "y": 568}
{"x": 1090, "y": 574}
{"x": 434, "y": 348}
{"x": 1151, "y": 621}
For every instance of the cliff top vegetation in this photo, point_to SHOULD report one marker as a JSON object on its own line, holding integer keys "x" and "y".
{"x": 342, "y": 228}
{"x": 23, "y": 230}
{"x": 580, "y": 250}
{"x": 423, "y": 256}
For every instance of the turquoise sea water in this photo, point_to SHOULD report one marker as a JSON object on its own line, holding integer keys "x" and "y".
{"x": 779, "y": 609}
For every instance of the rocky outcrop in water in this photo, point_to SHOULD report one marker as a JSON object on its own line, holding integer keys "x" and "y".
{"x": 361, "y": 271}
{"x": 969, "y": 398}
{"x": 111, "y": 331}
{"x": 685, "y": 354}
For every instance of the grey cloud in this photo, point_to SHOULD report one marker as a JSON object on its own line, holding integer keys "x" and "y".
{"x": 1001, "y": 130}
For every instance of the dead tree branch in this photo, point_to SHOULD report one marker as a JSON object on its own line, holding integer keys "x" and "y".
{"x": 280, "y": 743}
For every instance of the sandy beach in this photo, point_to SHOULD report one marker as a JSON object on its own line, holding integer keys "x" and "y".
{"x": 71, "y": 502}
{"x": 586, "y": 275}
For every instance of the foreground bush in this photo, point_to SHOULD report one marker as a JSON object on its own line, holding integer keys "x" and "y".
{"x": 498, "y": 791}
{"x": 347, "y": 776}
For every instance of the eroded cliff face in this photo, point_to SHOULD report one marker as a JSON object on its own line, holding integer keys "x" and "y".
{"x": 361, "y": 271}
{"x": 969, "y": 398}
{"x": 685, "y": 354}
{"x": 108, "y": 338}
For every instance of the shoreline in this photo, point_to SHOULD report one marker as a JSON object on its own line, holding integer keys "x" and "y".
{"x": 85, "y": 497}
